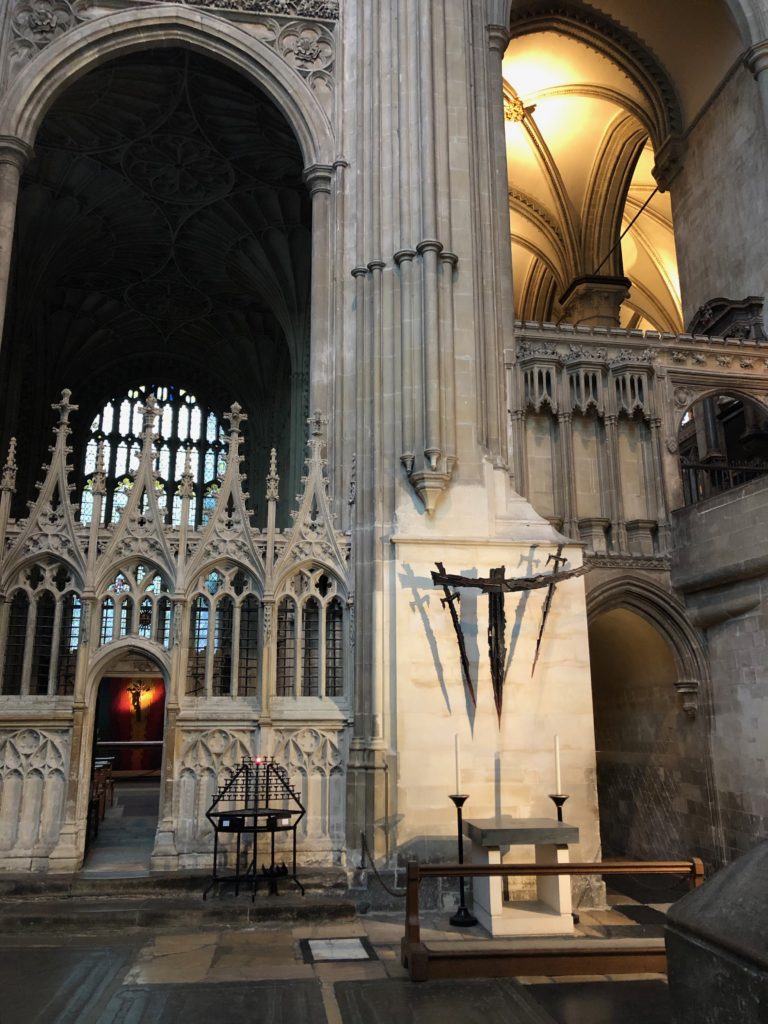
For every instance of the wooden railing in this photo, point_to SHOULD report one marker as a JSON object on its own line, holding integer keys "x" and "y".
{"x": 493, "y": 959}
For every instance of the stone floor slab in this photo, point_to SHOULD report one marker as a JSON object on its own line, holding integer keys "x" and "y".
{"x": 473, "y": 1001}
{"x": 605, "y": 1002}
{"x": 268, "y": 1002}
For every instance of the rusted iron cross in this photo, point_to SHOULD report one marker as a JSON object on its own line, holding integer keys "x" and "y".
{"x": 496, "y": 586}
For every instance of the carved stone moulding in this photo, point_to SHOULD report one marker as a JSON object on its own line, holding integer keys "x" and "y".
{"x": 318, "y": 10}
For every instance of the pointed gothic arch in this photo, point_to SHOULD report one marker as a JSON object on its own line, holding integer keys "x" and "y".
{"x": 94, "y": 42}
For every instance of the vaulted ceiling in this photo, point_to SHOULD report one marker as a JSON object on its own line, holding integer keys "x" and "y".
{"x": 592, "y": 90}
{"x": 163, "y": 235}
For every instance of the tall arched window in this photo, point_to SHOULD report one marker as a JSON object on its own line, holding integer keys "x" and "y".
{"x": 248, "y": 658}
{"x": 42, "y": 647}
{"x": 69, "y": 639}
{"x": 222, "y": 647}
{"x": 334, "y": 649}
{"x": 15, "y": 643}
{"x": 198, "y": 647}
{"x": 310, "y": 653}
{"x": 183, "y": 421}
{"x": 286, "y": 648}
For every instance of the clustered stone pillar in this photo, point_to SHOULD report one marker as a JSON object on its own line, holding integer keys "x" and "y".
{"x": 14, "y": 153}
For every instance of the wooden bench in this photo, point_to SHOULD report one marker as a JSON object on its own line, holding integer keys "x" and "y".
{"x": 534, "y": 957}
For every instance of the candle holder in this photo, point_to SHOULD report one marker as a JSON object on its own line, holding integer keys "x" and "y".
{"x": 462, "y": 918}
{"x": 558, "y": 799}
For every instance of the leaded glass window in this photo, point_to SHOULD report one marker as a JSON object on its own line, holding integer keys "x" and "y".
{"x": 286, "y": 648}
{"x": 14, "y": 646}
{"x": 334, "y": 649}
{"x": 183, "y": 422}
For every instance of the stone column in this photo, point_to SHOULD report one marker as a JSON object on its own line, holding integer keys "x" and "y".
{"x": 618, "y": 527}
{"x": 658, "y": 488}
{"x": 14, "y": 154}
{"x": 756, "y": 60}
{"x": 319, "y": 179}
{"x": 565, "y": 430}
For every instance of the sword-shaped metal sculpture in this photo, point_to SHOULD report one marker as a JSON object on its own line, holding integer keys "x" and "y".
{"x": 497, "y": 640}
{"x": 450, "y": 601}
{"x": 496, "y": 586}
{"x": 558, "y": 560}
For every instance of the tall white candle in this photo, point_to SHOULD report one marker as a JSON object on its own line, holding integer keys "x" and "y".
{"x": 558, "y": 780}
{"x": 457, "y": 754}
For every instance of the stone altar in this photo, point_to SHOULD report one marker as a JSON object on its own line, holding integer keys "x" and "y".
{"x": 550, "y": 912}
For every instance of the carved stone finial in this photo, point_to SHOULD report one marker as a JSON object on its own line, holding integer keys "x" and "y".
{"x": 149, "y": 413}
{"x": 187, "y": 485}
{"x": 236, "y": 416}
{"x": 99, "y": 485}
{"x": 65, "y": 407}
{"x": 8, "y": 482}
{"x": 316, "y": 423}
{"x": 272, "y": 478}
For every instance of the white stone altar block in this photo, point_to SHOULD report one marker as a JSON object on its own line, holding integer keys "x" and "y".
{"x": 550, "y": 912}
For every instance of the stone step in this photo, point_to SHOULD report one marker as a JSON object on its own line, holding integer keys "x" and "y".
{"x": 78, "y": 915}
{"x": 331, "y": 882}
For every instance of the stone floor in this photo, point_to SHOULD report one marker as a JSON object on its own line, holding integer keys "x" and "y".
{"x": 343, "y": 973}
{"x": 123, "y": 847}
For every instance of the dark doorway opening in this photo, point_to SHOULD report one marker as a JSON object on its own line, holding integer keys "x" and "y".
{"x": 125, "y": 776}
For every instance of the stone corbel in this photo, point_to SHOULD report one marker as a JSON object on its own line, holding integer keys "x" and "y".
{"x": 688, "y": 691}
{"x": 669, "y": 161}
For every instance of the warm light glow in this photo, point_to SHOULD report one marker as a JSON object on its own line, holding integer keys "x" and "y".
{"x": 139, "y": 694}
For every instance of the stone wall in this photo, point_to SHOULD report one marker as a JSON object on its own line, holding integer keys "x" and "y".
{"x": 715, "y": 198}
{"x": 721, "y": 565}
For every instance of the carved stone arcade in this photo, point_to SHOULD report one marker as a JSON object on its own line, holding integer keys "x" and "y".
{"x": 212, "y": 721}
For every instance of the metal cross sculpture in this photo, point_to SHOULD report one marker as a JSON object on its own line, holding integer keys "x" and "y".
{"x": 496, "y": 586}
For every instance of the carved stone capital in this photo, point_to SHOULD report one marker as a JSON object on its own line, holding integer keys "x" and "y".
{"x": 498, "y": 38}
{"x": 595, "y": 301}
{"x": 14, "y": 151}
{"x": 756, "y": 58}
{"x": 318, "y": 178}
{"x": 404, "y": 256}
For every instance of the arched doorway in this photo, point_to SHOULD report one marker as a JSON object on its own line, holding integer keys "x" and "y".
{"x": 125, "y": 767}
{"x": 654, "y": 779}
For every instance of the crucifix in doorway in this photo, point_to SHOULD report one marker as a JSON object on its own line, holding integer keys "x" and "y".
{"x": 496, "y": 586}
{"x": 137, "y": 688}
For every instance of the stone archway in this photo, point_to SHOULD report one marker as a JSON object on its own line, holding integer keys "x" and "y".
{"x": 652, "y": 727}
{"x": 125, "y": 771}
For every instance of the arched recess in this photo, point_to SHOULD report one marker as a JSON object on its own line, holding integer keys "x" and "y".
{"x": 651, "y": 703}
{"x": 94, "y": 42}
{"x": 124, "y": 658}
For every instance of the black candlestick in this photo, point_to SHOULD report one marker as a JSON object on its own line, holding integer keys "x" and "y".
{"x": 462, "y": 918}
{"x": 558, "y": 799}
